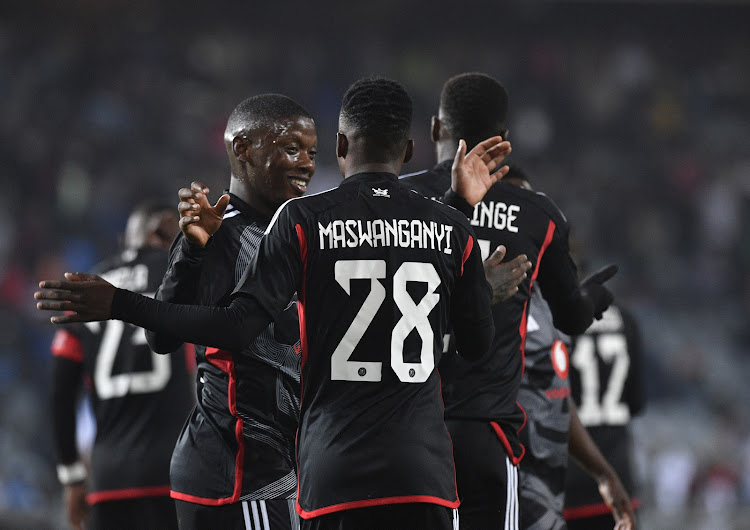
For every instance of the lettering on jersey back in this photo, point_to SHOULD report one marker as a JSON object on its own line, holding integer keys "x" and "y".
{"x": 385, "y": 233}
{"x": 497, "y": 215}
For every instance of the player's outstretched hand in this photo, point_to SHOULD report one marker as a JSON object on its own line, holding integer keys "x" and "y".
{"x": 615, "y": 496}
{"x": 474, "y": 173}
{"x": 76, "y": 505}
{"x": 84, "y": 298}
{"x": 594, "y": 287}
{"x": 198, "y": 219}
{"x": 504, "y": 278}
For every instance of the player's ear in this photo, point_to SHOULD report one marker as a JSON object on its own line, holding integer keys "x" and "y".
{"x": 342, "y": 145}
{"x": 409, "y": 151}
{"x": 241, "y": 148}
{"x": 435, "y": 129}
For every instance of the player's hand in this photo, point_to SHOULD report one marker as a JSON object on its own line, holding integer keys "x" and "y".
{"x": 77, "y": 507}
{"x": 594, "y": 288}
{"x": 84, "y": 298}
{"x": 504, "y": 278}
{"x": 615, "y": 496}
{"x": 198, "y": 219}
{"x": 474, "y": 173}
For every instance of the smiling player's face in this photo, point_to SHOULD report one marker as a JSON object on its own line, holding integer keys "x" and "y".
{"x": 283, "y": 155}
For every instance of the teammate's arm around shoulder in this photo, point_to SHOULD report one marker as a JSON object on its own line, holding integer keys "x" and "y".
{"x": 471, "y": 316}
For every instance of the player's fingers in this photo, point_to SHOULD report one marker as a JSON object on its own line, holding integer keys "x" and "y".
{"x": 482, "y": 147}
{"x": 68, "y": 318}
{"x": 68, "y": 285}
{"x": 79, "y": 277}
{"x": 221, "y": 205}
{"x": 199, "y": 187}
{"x": 498, "y": 255}
{"x": 57, "y": 294}
{"x": 496, "y": 158}
{"x": 604, "y": 274}
{"x": 186, "y": 207}
{"x": 460, "y": 154}
{"x": 186, "y": 194}
{"x": 188, "y": 220}
{"x": 500, "y": 149}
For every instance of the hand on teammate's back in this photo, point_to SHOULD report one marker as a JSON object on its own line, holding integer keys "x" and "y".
{"x": 198, "y": 219}
{"x": 84, "y": 297}
{"x": 474, "y": 173}
{"x": 599, "y": 294}
{"x": 504, "y": 277}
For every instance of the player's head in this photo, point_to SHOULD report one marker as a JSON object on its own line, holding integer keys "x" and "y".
{"x": 473, "y": 107}
{"x": 151, "y": 225}
{"x": 271, "y": 143}
{"x": 375, "y": 124}
{"x": 517, "y": 177}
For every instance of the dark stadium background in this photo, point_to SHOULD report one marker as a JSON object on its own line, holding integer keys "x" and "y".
{"x": 633, "y": 116}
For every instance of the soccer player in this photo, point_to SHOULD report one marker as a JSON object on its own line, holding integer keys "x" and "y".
{"x": 139, "y": 398}
{"x": 480, "y": 398}
{"x": 381, "y": 273}
{"x": 234, "y": 464}
{"x": 553, "y": 429}
{"x": 605, "y": 380}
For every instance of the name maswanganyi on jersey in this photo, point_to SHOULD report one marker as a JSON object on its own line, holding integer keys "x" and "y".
{"x": 544, "y": 393}
{"x": 526, "y": 223}
{"x": 606, "y": 385}
{"x": 383, "y": 269}
{"x": 238, "y": 443}
{"x": 140, "y": 399}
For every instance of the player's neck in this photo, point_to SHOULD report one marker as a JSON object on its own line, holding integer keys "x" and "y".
{"x": 446, "y": 149}
{"x": 371, "y": 167}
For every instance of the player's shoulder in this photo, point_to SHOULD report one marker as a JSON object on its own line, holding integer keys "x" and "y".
{"x": 539, "y": 201}
{"x": 432, "y": 183}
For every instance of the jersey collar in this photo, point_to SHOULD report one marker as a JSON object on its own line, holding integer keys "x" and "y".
{"x": 369, "y": 177}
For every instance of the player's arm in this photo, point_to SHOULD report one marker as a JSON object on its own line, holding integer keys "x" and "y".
{"x": 66, "y": 385}
{"x": 471, "y": 317}
{"x": 198, "y": 222}
{"x": 574, "y": 305}
{"x": 265, "y": 290}
{"x": 585, "y": 452}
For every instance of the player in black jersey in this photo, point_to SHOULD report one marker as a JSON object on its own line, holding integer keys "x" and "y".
{"x": 234, "y": 464}
{"x": 139, "y": 399}
{"x": 605, "y": 380}
{"x": 480, "y": 398}
{"x": 381, "y": 272}
{"x": 553, "y": 429}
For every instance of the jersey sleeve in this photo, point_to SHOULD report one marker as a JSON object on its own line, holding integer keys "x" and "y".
{"x": 67, "y": 371}
{"x": 178, "y": 286}
{"x": 471, "y": 317}
{"x": 572, "y": 310}
{"x": 264, "y": 291}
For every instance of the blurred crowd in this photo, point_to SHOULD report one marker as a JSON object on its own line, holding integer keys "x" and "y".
{"x": 633, "y": 118}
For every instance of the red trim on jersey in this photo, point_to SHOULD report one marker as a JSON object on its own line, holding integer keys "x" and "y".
{"x": 127, "y": 493}
{"x": 190, "y": 362}
{"x": 506, "y": 444}
{"x": 467, "y": 253}
{"x": 592, "y": 510}
{"x": 223, "y": 360}
{"x": 67, "y": 346}
{"x": 524, "y": 318}
{"x": 429, "y": 499}
{"x": 301, "y": 295}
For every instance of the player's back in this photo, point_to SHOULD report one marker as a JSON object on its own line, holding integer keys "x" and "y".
{"x": 384, "y": 269}
{"x": 527, "y": 223}
{"x": 606, "y": 385}
{"x": 140, "y": 399}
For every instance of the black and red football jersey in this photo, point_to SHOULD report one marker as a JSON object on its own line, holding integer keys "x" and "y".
{"x": 606, "y": 384}
{"x": 527, "y": 223}
{"x": 381, "y": 274}
{"x": 238, "y": 443}
{"x": 139, "y": 398}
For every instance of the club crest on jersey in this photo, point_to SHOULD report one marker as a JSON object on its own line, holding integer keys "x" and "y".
{"x": 380, "y": 192}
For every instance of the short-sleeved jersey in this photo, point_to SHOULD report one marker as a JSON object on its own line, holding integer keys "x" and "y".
{"x": 526, "y": 223}
{"x": 606, "y": 385}
{"x": 544, "y": 394}
{"x": 239, "y": 441}
{"x": 140, "y": 399}
{"x": 380, "y": 272}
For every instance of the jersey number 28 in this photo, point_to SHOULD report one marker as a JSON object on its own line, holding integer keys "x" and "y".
{"x": 414, "y": 316}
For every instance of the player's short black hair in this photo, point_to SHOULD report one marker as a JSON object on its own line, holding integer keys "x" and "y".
{"x": 379, "y": 110}
{"x": 262, "y": 108}
{"x": 473, "y": 106}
